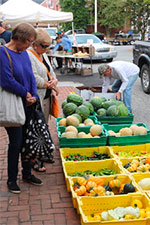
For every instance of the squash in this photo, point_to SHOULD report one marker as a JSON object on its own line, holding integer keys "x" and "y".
{"x": 90, "y": 185}
{"x": 136, "y": 203}
{"x": 97, "y": 191}
{"x": 144, "y": 183}
{"x": 132, "y": 168}
{"x": 99, "y": 181}
{"x": 128, "y": 188}
{"x": 115, "y": 183}
{"x": 80, "y": 181}
{"x": 80, "y": 191}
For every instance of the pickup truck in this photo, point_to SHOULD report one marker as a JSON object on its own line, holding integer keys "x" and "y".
{"x": 141, "y": 57}
{"x": 125, "y": 39}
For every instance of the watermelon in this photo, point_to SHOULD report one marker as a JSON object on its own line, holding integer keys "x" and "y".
{"x": 123, "y": 111}
{"x": 78, "y": 117}
{"x": 101, "y": 112}
{"x": 96, "y": 102}
{"x": 112, "y": 111}
{"x": 83, "y": 111}
{"x": 74, "y": 98}
{"x": 64, "y": 102}
{"x": 69, "y": 109}
{"x": 90, "y": 106}
{"x": 107, "y": 104}
{"x": 103, "y": 99}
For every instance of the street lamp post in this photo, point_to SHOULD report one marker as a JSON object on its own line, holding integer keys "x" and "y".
{"x": 95, "y": 16}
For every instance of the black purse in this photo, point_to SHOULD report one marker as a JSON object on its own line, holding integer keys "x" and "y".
{"x": 38, "y": 143}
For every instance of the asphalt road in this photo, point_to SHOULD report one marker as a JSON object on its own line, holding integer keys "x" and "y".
{"x": 140, "y": 100}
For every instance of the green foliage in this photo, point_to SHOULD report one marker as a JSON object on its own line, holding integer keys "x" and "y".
{"x": 138, "y": 13}
{"x": 80, "y": 13}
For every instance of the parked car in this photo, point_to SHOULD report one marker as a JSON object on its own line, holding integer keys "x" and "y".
{"x": 102, "y": 37}
{"x": 77, "y": 31}
{"x": 102, "y": 51}
{"x": 141, "y": 57}
{"x": 52, "y": 32}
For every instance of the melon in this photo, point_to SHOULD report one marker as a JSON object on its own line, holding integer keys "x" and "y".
{"x": 70, "y": 134}
{"x": 112, "y": 111}
{"x": 123, "y": 111}
{"x": 64, "y": 102}
{"x": 81, "y": 125}
{"x": 71, "y": 128}
{"x": 96, "y": 130}
{"x": 81, "y": 134}
{"x": 101, "y": 112}
{"x": 62, "y": 122}
{"x": 89, "y": 106}
{"x": 133, "y": 127}
{"x": 72, "y": 120}
{"x": 78, "y": 117}
{"x": 140, "y": 131}
{"x": 125, "y": 132}
{"x": 69, "y": 109}
{"x": 89, "y": 135}
{"x": 111, "y": 133}
{"x": 88, "y": 121}
{"x": 63, "y": 134}
{"x": 96, "y": 102}
{"x": 76, "y": 99}
{"x": 83, "y": 111}
{"x": 107, "y": 104}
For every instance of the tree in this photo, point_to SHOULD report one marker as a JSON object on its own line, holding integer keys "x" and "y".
{"x": 138, "y": 13}
{"x": 80, "y": 13}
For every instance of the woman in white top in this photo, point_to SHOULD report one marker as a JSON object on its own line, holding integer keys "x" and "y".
{"x": 125, "y": 73}
{"x": 41, "y": 67}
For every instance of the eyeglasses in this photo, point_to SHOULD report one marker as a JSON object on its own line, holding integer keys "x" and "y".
{"x": 30, "y": 41}
{"x": 44, "y": 46}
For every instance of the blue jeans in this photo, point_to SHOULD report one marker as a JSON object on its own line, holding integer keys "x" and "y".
{"x": 127, "y": 93}
{"x": 15, "y": 135}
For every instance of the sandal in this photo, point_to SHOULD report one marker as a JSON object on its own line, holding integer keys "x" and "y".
{"x": 38, "y": 166}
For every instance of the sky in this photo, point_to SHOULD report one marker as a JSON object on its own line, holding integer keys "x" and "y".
{"x": 38, "y": 1}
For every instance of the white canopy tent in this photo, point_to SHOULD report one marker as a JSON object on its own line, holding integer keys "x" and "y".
{"x": 15, "y": 11}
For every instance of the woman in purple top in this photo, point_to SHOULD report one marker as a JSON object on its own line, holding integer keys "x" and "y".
{"x": 23, "y": 85}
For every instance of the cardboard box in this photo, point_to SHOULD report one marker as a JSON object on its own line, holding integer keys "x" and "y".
{"x": 86, "y": 71}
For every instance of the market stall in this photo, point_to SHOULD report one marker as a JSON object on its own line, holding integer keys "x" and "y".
{"x": 77, "y": 56}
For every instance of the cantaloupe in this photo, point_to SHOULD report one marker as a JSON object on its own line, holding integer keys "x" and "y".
{"x": 125, "y": 132}
{"x": 111, "y": 132}
{"x": 72, "y": 120}
{"x": 81, "y": 125}
{"x": 133, "y": 128}
{"x": 71, "y": 128}
{"x": 88, "y": 121}
{"x": 70, "y": 134}
{"x": 62, "y": 122}
{"x": 63, "y": 134}
{"x": 81, "y": 134}
{"x": 96, "y": 130}
{"x": 140, "y": 131}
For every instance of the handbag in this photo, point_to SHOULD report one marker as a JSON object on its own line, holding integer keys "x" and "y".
{"x": 37, "y": 139}
{"x": 54, "y": 106}
{"x": 11, "y": 106}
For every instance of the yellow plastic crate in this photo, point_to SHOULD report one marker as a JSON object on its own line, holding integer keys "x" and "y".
{"x": 124, "y": 161}
{"x": 94, "y": 205}
{"x": 84, "y": 151}
{"x": 122, "y": 177}
{"x": 139, "y": 176}
{"x": 72, "y": 167}
{"x": 131, "y": 148}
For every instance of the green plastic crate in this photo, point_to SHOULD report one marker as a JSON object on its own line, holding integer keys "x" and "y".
{"x": 126, "y": 140}
{"x": 82, "y": 142}
{"x": 59, "y": 128}
{"x": 116, "y": 119}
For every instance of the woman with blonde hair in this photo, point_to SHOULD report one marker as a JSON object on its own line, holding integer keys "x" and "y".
{"x": 45, "y": 77}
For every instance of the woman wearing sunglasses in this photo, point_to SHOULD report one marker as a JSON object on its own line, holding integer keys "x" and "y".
{"x": 45, "y": 84}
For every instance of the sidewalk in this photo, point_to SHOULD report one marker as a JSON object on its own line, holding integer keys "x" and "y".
{"x": 49, "y": 204}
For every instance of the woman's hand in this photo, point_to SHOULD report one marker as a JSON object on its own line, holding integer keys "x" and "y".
{"x": 118, "y": 95}
{"x": 30, "y": 100}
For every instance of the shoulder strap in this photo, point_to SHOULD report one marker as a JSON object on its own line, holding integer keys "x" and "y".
{"x": 36, "y": 55}
{"x": 8, "y": 58}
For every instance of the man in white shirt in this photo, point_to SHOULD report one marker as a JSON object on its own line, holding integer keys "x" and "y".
{"x": 125, "y": 74}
